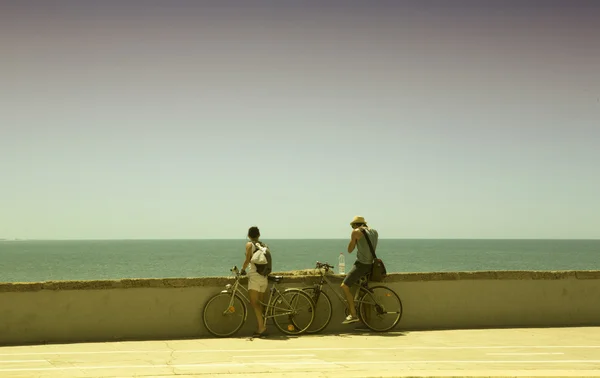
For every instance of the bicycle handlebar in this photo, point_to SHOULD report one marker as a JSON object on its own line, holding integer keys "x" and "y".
{"x": 320, "y": 265}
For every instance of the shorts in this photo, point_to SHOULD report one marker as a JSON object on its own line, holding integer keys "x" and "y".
{"x": 257, "y": 282}
{"x": 358, "y": 270}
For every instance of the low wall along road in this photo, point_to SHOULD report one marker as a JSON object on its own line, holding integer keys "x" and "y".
{"x": 78, "y": 311}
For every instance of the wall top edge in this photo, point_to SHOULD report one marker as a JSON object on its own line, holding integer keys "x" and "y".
{"x": 300, "y": 276}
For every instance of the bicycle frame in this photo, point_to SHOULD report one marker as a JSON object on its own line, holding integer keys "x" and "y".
{"x": 372, "y": 304}
{"x": 362, "y": 286}
{"x": 236, "y": 288}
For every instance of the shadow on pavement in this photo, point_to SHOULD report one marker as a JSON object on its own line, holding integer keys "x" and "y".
{"x": 357, "y": 331}
{"x": 360, "y": 331}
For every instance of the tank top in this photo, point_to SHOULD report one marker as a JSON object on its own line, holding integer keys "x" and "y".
{"x": 252, "y": 269}
{"x": 364, "y": 254}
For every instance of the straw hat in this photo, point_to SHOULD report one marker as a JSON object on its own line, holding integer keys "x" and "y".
{"x": 358, "y": 219}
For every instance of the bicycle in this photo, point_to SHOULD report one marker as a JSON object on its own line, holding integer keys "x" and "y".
{"x": 378, "y": 307}
{"x": 225, "y": 313}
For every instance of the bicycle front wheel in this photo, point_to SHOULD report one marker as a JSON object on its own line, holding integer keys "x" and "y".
{"x": 224, "y": 314}
{"x": 380, "y": 308}
{"x": 323, "y": 309}
{"x": 293, "y": 311}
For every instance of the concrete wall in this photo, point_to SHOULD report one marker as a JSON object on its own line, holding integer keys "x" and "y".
{"x": 72, "y": 311}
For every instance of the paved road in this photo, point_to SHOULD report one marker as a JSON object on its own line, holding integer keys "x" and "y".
{"x": 499, "y": 352}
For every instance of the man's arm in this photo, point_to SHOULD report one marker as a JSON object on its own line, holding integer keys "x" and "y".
{"x": 354, "y": 236}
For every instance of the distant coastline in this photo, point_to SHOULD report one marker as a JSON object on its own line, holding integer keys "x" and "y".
{"x": 295, "y": 239}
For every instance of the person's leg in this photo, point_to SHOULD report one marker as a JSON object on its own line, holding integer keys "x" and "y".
{"x": 256, "y": 289}
{"x": 261, "y": 296}
{"x": 352, "y": 277}
{"x": 256, "y": 305}
{"x": 350, "y": 300}
{"x": 261, "y": 299}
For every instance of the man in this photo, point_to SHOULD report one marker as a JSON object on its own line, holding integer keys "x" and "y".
{"x": 364, "y": 260}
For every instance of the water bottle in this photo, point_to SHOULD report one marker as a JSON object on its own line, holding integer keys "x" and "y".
{"x": 342, "y": 264}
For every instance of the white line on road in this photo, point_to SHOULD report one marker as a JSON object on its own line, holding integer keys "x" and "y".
{"x": 275, "y": 355}
{"x": 315, "y": 363}
{"x": 523, "y": 354}
{"x": 306, "y": 349}
{"x": 19, "y": 361}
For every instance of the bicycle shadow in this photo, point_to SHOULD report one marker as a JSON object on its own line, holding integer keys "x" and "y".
{"x": 360, "y": 331}
{"x": 368, "y": 332}
{"x": 275, "y": 335}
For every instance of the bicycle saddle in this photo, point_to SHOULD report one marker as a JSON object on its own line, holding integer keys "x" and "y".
{"x": 275, "y": 279}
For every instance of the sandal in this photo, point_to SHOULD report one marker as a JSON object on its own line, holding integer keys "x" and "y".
{"x": 257, "y": 335}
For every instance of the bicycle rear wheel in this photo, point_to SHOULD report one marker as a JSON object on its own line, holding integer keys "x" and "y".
{"x": 293, "y": 311}
{"x": 224, "y": 314}
{"x": 323, "y": 309}
{"x": 380, "y": 308}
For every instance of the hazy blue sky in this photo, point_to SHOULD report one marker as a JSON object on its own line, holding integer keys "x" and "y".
{"x": 198, "y": 119}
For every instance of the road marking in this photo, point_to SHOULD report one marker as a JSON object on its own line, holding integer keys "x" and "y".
{"x": 306, "y": 349}
{"x": 276, "y": 355}
{"x": 523, "y": 354}
{"x": 19, "y": 361}
{"x": 339, "y": 364}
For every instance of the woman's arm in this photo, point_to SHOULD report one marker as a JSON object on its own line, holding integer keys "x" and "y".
{"x": 248, "y": 256}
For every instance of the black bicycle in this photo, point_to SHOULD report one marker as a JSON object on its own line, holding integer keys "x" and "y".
{"x": 378, "y": 307}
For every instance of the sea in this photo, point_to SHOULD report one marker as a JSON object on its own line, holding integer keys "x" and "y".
{"x": 40, "y": 260}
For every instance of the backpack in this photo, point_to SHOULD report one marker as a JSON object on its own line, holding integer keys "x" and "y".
{"x": 261, "y": 257}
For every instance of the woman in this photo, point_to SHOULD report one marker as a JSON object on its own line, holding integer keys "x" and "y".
{"x": 257, "y": 283}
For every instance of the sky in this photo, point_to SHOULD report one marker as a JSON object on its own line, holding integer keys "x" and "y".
{"x": 198, "y": 119}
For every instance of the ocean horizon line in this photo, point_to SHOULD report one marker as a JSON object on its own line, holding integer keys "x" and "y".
{"x": 324, "y": 238}
{"x": 43, "y": 260}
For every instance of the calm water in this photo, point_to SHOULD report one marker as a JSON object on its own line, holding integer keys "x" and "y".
{"x": 26, "y": 261}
